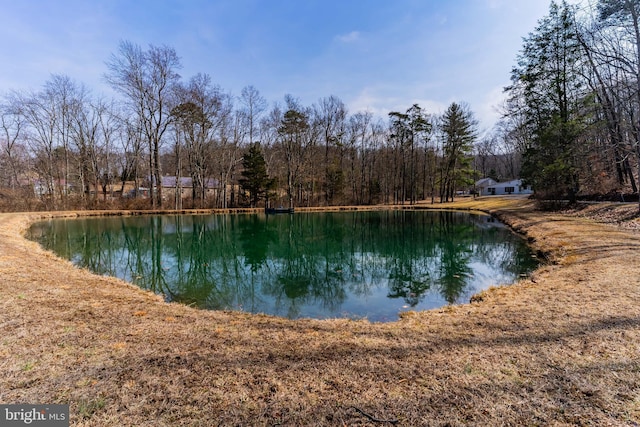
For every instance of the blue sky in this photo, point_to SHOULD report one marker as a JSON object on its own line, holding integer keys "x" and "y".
{"x": 375, "y": 55}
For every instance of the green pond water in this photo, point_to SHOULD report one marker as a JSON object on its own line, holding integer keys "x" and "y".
{"x": 318, "y": 265}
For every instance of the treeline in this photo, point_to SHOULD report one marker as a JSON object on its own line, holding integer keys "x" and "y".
{"x": 574, "y": 101}
{"x": 64, "y": 148}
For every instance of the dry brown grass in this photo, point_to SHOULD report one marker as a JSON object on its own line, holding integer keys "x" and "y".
{"x": 559, "y": 349}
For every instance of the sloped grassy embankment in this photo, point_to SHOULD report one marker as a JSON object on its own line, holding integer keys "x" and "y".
{"x": 560, "y": 348}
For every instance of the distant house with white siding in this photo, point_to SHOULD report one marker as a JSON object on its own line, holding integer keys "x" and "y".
{"x": 490, "y": 187}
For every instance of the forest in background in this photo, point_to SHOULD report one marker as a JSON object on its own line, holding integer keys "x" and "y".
{"x": 570, "y": 128}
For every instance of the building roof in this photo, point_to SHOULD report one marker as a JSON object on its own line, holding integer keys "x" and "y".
{"x": 187, "y": 182}
{"x": 485, "y": 182}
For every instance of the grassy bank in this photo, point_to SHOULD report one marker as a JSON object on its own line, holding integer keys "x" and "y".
{"x": 560, "y": 348}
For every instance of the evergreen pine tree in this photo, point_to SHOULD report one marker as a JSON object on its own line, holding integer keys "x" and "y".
{"x": 459, "y": 131}
{"x": 255, "y": 179}
{"x": 549, "y": 82}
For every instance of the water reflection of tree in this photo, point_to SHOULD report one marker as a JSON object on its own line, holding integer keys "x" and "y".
{"x": 203, "y": 282}
{"x": 136, "y": 260}
{"x": 308, "y": 272}
{"x": 188, "y": 273}
{"x": 427, "y": 252}
{"x": 157, "y": 279}
{"x": 411, "y": 249}
{"x": 454, "y": 272}
{"x": 256, "y": 235}
{"x": 456, "y": 236}
{"x": 94, "y": 252}
{"x": 74, "y": 240}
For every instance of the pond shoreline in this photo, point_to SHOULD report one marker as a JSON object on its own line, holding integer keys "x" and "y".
{"x": 560, "y": 347}
{"x": 373, "y": 264}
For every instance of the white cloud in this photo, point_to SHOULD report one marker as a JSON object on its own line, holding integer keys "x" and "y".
{"x": 379, "y": 103}
{"x": 351, "y": 37}
{"x": 487, "y": 112}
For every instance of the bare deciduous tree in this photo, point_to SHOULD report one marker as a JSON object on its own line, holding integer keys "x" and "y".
{"x": 146, "y": 79}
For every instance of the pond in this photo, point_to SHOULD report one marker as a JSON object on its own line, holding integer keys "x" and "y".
{"x": 372, "y": 264}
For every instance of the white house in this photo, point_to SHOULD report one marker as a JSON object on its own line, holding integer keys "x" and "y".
{"x": 489, "y": 187}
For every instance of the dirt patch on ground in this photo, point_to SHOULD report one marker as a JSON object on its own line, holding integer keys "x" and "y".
{"x": 560, "y": 348}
